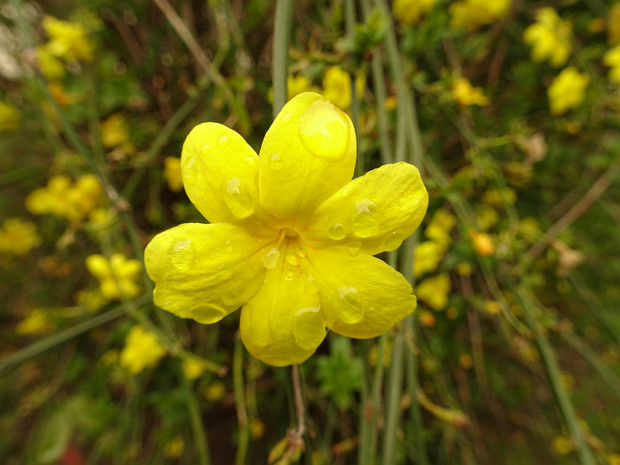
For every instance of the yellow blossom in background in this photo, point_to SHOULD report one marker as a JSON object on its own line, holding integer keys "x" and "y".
{"x": 91, "y": 299}
{"x": 118, "y": 276}
{"x": 471, "y": 14}
{"x": 441, "y": 226}
{"x": 63, "y": 198}
{"x": 67, "y": 40}
{"x": 428, "y": 255}
{"x": 482, "y": 243}
{"x": 215, "y": 391}
{"x": 36, "y": 323}
{"x": 563, "y": 445}
{"x": 337, "y": 86}
{"x": 295, "y": 85}
{"x": 142, "y": 350}
{"x": 172, "y": 173}
{"x": 549, "y": 37}
{"x": 115, "y": 133}
{"x": 567, "y": 90}
{"x": 434, "y": 291}
{"x": 492, "y": 307}
{"x": 173, "y": 449}
{"x": 613, "y": 24}
{"x": 410, "y": 11}
{"x": 427, "y": 318}
{"x": 9, "y": 117}
{"x": 51, "y": 67}
{"x": 193, "y": 368}
{"x": 257, "y": 428}
{"x": 18, "y": 237}
{"x": 291, "y": 237}
{"x": 465, "y": 94}
{"x": 612, "y": 59}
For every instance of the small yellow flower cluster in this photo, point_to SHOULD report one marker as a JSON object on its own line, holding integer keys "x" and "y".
{"x": 9, "y": 117}
{"x": 549, "y": 37}
{"x": 612, "y": 59}
{"x": 337, "y": 86}
{"x": 434, "y": 291}
{"x": 64, "y": 199}
{"x": 410, "y": 11}
{"x": 36, "y": 323}
{"x": 465, "y": 94}
{"x": 174, "y": 448}
{"x": 67, "y": 42}
{"x": 115, "y": 133}
{"x": 471, "y": 14}
{"x": 193, "y": 368}
{"x": 142, "y": 350}
{"x": 567, "y": 90}
{"x": 172, "y": 173}
{"x": 117, "y": 276}
{"x": 482, "y": 243}
{"x": 18, "y": 237}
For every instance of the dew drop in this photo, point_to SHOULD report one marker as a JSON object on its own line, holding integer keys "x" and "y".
{"x": 286, "y": 117}
{"x": 270, "y": 258}
{"x": 223, "y": 141}
{"x": 324, "y": 130}
{"x": 181, "y": 254}
{"x": 310, "y": 286}
{"x": 228, "y": 299}
{"x": 238, "y": 198}
{"x": 208, "y": 313}
{"x": 366, "y": 218}
{"x": 392, "y": 242}
{"x": 205, "y": 149}
{"x": 275, "y": 162}
{"x": 251, "y": 160}
{"x": 292, "y": 259}
{"x": 308, "y": 327}
{"x": 228, "y": 247}
{"x": 337, "y": 232}
{"x": 290, "y": 274}
{"x": 351, "y": 309}
{"x": 353, "y": 247}
{"x": 301, "y": 253}
{"x": 189, "y": 170}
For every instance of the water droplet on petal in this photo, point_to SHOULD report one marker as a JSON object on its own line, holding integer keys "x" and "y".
{"x": 337, "y": 232}
{"x": 228, "y": 299}
{"x": 308, "y": 327}
{"x": 286, "y": 117}
{"x": 351, "y": 308}
{"x": 353, "y": 247}
{"x": 392, "y": 242}
{"x": 208, "y": 313}
{"x": 275, "y": 162}
{"x": 324, "y": 130}
{"x": 205, "y": 149}
{"x": 228, "y": 247}
{"x": 251, "y": 160}
{"x": 237, "y": 198}
{"x": 223, "y": 141}
{"x": 181, "y": 254}
{"x": 189, "y": 170}
{"x": 310, "y": 286}
{"x": 292, "y": 259}
{"x": 366, "y": 218}
{"x": 301, "y": 253}
{"x": 290, "y": 274}
{"x": 270, "y": 258}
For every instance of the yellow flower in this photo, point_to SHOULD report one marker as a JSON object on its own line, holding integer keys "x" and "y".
{"x": 142, "y": 350}
{"x": 482, "y": 242}
{"x": 36, "y": 323}
{"x": 567, "y": 90}
{"x": 295, "y": 85}
{"x": 18, "y": 237}
{"x": 68, "y": 41}
{"x": 612, "y": 59}
{"x": 117, "y": 276}
{"x": 215, "y": 391}
{"x": 410, "y": 11}
{"x": 465, "y": 94}
{"x": 172, "y": 173}
{"x": 440, "y": 227}
{"x": 9, "y": 117}
{"x": 549, "y": 37}
{"x": 434, "y": 291}
{"x": 473, "y": 13}
{"x": 193, "y": 368}
{"x": 174, "y": 448}
{"x": 337, "y": 86}
{"x": 114, "y": 130}
{"x": 50, "y": 66}
{"x": 290, "y": 241}
{"x": 428, "y": 255}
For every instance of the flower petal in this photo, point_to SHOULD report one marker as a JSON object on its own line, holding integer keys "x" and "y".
{"x": 283, "y": 323}
{"x": 361, "y": 296}
{"x": 203, "y": 271}
{"x": 374, "y": 212}
{"x": 307, "y": 155}
{"x": 219, "y": 172}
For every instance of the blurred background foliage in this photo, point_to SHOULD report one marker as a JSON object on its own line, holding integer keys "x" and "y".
{"x": 514, "y": 354}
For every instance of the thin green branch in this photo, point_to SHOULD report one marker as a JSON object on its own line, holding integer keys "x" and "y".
{"x": 195, "y": 416}
{"x": 281, "y": 34}
{"x": 242, "y": 416}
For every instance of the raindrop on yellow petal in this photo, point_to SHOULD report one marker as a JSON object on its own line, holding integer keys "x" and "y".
{"x": 270, "y": 258}
{"x": 324, "y": 130}
{"x": 181, "y": 254}
{"x": 286, "y": 117}
{"x": 275, "y": 162}
{"x": 353, "y": 247}
{"x": 351, "y": 309}
{"x": 237, "y": 198}
{"x": 208, "y": 313}
{"x": 292, "y": 259}
{"x": 223, "y": 141}
{"x": 337, "y": 232}
{"x": 189, "y": 170}
{"x": 308, "y": 329}
{"x": 366, "y": 218}
{"x": 392, "y": 242}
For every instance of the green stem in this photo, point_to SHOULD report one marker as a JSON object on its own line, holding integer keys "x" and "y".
{"x": 394, "y": 391}
{"x": 242, "y": 417}
{"x": 198, "y": 427}
{"x": 281, "y": 34}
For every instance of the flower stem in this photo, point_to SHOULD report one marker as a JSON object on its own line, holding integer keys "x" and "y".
{"x": 242, "y": 416}
{"x": 198, "y": 427}
{"x": 281, "y": 33}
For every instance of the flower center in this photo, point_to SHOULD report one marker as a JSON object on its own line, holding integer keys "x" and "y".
{"x": 285, "y": 250}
